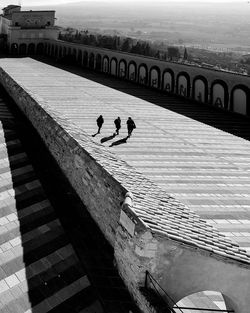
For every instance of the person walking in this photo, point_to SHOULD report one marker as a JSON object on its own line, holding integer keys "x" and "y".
{"x": 99, "y": 123}
{"x": 117, "y": 124}
{"x": 131, "y": 126}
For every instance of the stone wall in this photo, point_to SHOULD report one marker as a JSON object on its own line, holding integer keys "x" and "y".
{"x": 155, "y": 232}
{"x": 99, "y": 191}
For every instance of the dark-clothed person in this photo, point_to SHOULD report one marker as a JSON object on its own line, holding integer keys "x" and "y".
{"x": 131, "y": 126}
{"x": 117, "y": 124}
{"x": 99, "y": 123}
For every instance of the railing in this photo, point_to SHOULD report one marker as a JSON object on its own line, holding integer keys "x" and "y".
{"x": 169, "y": 303}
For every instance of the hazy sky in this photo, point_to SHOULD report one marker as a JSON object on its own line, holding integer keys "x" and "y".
{"x": 47, "y": 2}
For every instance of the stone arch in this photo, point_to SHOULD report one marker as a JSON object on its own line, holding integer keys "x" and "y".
{"x": 143, "y": 74}
{"x": 74, "y": 55}
{"x": 132, "y": 70}
{"x": 52, "y": 53}
{"x": 79, "y": 57}
{"x": 168, "y": 81}
{"x": 69, "y": 51}
{"x": 154, "y": 77}
{"x": 113, "y": 67}
{"x": 60, "y": 52}
{"x": 23, "y": 49}
{"x": 122, "y": 69}
{"x": 40, "y": 48}
{"x": 85, "y": 59}
{"x": 98, "y": 64}
{"x": 64, "y": 51}
{"x": 200, "y": 89}
{"x": 49, "y": 49}
{"x": 105, "y": 64}
{"x": 240, "y": 100}
{"x": 188, "y": 270}
{"x": 91, "y": 60}
{"x": 208, "y": 295}
{"x": 219, "y": 94}
{"x": 14, "y": 49}
{"x": 56, "y": 51}
{"x": 31, "y": 49}
{"x": 46, "y": 48}
{"x": 183, "y": 84}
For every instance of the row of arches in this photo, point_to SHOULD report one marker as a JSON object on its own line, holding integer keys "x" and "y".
{"x": 27, "y": 49}
{"x": 198, "y": 88}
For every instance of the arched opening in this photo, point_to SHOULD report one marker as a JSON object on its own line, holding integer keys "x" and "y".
{"x": 168, "y": 81}
{"x": 46, "y": 48}
{"x": 154, "y": 79}
{"x": 219, "y": 94}
{"x": 40, "y": 48}
{"x": 240, "y": 97}
{"x": 98, "y": 64}
{"x": 92, "y": 61}
{"x": 200, "y": 89}
{"x": 74, "y": 54}
{"x": 23, "y": 49}
{"x": 14, "y": 49}
{"x": 64, "y": 51}
{"x": 132, "y": 71}
{"x": 113, "y": 67}
{"x": 79, "y": 57}
{"x": 183, "y": 85}
{"x": 85, "y": 59}
{"x": 60, "y": 52}
{"x": 31, "y": 49}
{"x": 122, "y": 72}
{"x": 52, "y": 51}
{"x": 49, "y": 49}
{"x": 105, "y": 65}
{"x": 143, "y": 74}
{"x": 56, "y": 51}
{"x": 212, "y": 300}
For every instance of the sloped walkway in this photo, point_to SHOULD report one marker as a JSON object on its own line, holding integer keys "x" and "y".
{"x": 169, "y": 143}
{"x": 40, "y": 240}
{"x": 198, "y": 155}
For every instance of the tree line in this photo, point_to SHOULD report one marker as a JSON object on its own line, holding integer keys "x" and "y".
{"x": 125, "y": 44}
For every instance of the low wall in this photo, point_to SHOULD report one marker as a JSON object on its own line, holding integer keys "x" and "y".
{"x": 155, "y": 232}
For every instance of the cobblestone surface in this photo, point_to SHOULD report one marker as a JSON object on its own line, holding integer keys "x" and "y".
{"x": 161, "y": 134}
{"x": 200, "y": 165}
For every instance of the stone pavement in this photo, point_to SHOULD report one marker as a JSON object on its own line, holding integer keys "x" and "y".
{"x": 181, "y": 146}
{"x": 189, "y": 150}
{"x": 40, "y": 270}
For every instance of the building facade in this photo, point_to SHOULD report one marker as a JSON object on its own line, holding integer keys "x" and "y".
{"x": 25, "y": 31}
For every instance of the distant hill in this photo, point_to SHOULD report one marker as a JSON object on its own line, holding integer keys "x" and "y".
{"x": 225, "y": 24}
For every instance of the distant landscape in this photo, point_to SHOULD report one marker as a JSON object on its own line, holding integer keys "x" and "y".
{"x": 218, "y": 26}
{"x": 216, "y": 34}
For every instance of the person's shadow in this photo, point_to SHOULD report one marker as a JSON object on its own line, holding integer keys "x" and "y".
{"x": 104, "y": 139}
{"x": 119, "y": 142}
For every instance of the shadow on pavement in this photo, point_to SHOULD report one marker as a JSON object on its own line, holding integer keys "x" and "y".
{"x": 119, "y": 142}
{"x": 104, "y": 139}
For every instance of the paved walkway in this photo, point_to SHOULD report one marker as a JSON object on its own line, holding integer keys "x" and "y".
{"x": 40, "y": 240}
{"x": 193, "y": 152}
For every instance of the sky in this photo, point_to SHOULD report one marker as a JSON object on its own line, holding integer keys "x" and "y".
{"x": 47, "y": 2}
